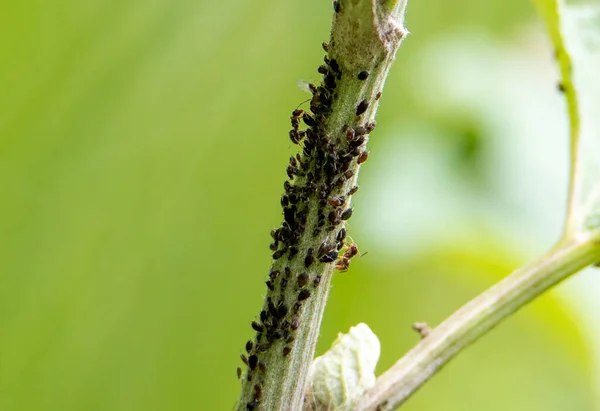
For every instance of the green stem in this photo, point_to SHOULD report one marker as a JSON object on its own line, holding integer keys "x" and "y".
{"x": 476, "y": 318}
{"x": 364, "y": 39}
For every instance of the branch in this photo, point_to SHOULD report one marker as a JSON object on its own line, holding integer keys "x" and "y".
{"x": 311, "y": 241}
{"x": 476, "y": 318}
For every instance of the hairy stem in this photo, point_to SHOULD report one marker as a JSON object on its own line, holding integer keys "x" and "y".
{"x": 476, "y": 318}
{"x": 310, "y": 243}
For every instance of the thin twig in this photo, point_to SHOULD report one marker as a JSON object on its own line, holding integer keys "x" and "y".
{"x": 475, "y": 319}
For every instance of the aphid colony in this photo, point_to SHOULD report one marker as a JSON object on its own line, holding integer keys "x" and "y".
{"x": 320, "y": 188}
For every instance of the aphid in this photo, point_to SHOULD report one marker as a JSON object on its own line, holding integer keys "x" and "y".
{"x": 334, "y": 65}
{"x": 251, "y": 405}
{"x": 329, "y": 81}
{"x": 262, "y": 347}
{"x": 341, "y": 235}
{"x": 324, "y": 248}
{"x": 310, "y": 258}
{"x": 278, "y": 334}
{"x": 336, "y": 6}
{"x": 363, "y": 75}
{"x": 334, "y": 218}
{"x": 377, "y": 96}
{"x": 317, "y": 280}
{"x": 263, "y": 316}
{"x": 297, "y": 307}
{"x": 308, "y": 120}
{"x": 371, "y": 126}
{"x": 249, "y": 346}
{"x": 274, "y": 274}
{"x": 278, "y": 254}
{"x": 252, "y": 362}
{"x": 295, "y": 323}
{"x": 350, "y": 133}
{"x": 362, "y": 107}
{"x": 353, "y": 190}
{"x": 273, "y": 246}
{"x": 283, "y": 284}
{"x": 297, "y": 113}
{"x": 336, "y": 201}
{"x": 286, "y": 351}
{"x": 270, "y": 285}
{"x": 347, "y": 214}
{"x": 323, "y": 69}
{"x": 282, "y": 311}
{"x": 302, "y": 279}
{"x": 257, "y": 391}
{"x": 262, "y": 367}
{"x": 290, "y": 340}
{"x": 293, "y": 251}
{"x": 561, "y": 87}
{"x": 244, "y": 359}
{"x": 257, "y": 327}
{"x": 239, "y": 373}
{"x": 348, "y": 174}
{"x": 362, "y": 157}
{"x": 304, "y": 294}
{"x": 329, "y": 257}
{"x": 325, "y": 46}
{"x": 357, "y": 142}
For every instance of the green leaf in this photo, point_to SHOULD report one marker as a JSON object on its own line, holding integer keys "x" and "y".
{"x": 575, "y": 33}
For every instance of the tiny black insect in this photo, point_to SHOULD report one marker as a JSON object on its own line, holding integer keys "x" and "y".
{"x": 334, "y": 65}
{"x": 302, "y": 279}
{"x": 252, "y": 362}
{"x": 290, "y": 340}
{"x": 295, "y": 323}
{"x": 308, "y": 120}
{"x": 278, "y": 254}
{"x": 336, "y": 6}
{"x": 336, "y": 201}
{"x": 239, "y": 373}
{"x": 263, "y": 347}
{"x": 347, "y": 214}
{"x": 329, "y": 257}
{"x": 244, "y": 359}
{"x": 363, "y": 75}
{"x": 353, "y": 190}
{"x": 257, "y": 327}
{"x": 304, "y": 294}
{"x": 257, "y": 391}
{"x": 274, "y": 274}
{"x": 282, "y": 310}
{"x": 309, "y": 259}
{"x": 270, "y": 285}
{"x": 317, "y": 280}
{"x": 341, "y": 235}
{"x": 362, "y": 107}
{"x": 286, "y": 351}
{"x": 378, "y": 96}
{"x": 249, "y": 346}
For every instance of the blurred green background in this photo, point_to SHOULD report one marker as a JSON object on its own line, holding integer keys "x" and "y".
{"x": 143, "y": 147}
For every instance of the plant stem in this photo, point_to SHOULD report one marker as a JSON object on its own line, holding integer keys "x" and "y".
{"x": 364, "y": 38}
{"x": 476, "y": 318}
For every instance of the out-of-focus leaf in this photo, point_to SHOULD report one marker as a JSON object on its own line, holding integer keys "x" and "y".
{"x": 575, "y": 33}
